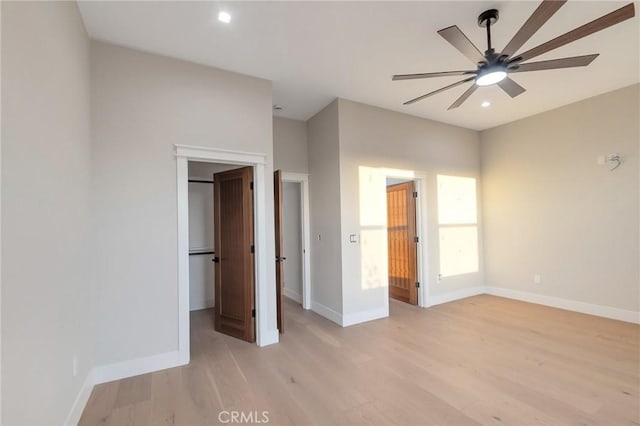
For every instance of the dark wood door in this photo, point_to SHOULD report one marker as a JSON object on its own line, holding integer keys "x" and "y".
{"x": 402, "y": 242}
{"x": 277, "y": 193}
{"x": 233, "y": 229}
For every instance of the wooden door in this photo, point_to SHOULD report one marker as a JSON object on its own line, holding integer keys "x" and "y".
{"x": 233, "y": 229}
{"x": 277, "y": 193}
{"x": 402, "y": 242}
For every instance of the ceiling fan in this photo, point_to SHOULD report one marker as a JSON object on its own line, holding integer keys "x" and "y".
{"x": 494, "y": 68}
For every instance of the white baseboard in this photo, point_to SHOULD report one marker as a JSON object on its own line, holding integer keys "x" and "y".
{"x": 135, "y": 367}
{"x": 81, "y": 401}
{"x": 364, "y": 316}
{"x": 201, "y": 304}
{"x": 117, "y": 371}
{"x": 326, "y": 312}
{"x": 293, "y": 295}
{"x": 570, "y": 305}
{"x": 456, "y": 295}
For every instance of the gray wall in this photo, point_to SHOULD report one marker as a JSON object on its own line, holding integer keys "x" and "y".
{"x": 46, "y": 284}
{"x": 550, "y": 209}
{"x": 143, "y": 104}
{"x": 372, "y": 139}
{"x": 292, "y": 233}
{"x": 324, "y": 201}
{"x": 290, "y": 152}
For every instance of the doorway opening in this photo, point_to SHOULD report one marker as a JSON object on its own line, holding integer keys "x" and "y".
{"x": 293, "y": 241}
{"x": 402, "y": 240}
{"x": 265, "y": 332}
{"x": 291, "y": 194}
{"x": 221, "y": 249}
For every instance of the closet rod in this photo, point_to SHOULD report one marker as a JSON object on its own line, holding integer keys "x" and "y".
{"x": 201, "y": 252}
{"x": 199, "y": 181}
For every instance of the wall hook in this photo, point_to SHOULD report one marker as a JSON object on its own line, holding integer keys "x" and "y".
{"x": 614, "y": 158}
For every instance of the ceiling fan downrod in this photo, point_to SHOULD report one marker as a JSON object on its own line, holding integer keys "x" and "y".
{"x": 486, "y": 19}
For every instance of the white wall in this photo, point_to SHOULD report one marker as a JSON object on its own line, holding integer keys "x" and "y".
{"x": 46, "y": 282}
{"x": 550, "y": 209}
{"x": 290, "y": 147}
{"x": 372, "y": 139}
{"x": 143, "y": 104}
{"x": 324, "y": 200}
{"x": 292, "y": 233}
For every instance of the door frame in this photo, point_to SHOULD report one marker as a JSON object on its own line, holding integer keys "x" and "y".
{"x": 420, "y": 182}
{"x": 409, "y": 201}
{"x": 263, "y": 280}
{"x": 303, "y": 180}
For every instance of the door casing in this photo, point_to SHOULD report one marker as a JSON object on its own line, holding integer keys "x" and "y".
{"x": 266, "y": 332}
{"x": 303, "y": 180}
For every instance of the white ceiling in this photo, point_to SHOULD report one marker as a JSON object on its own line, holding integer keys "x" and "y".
{"x": 317, "y": 51}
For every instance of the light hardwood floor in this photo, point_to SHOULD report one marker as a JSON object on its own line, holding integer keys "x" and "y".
{"x": 480, "y": 360}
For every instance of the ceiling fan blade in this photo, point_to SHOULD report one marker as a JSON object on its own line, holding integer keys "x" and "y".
{"x": 429, "y": 75}
{"x": 458, "y": 83}
{"x": 575, "y": 61}
{"x": 463, "y": 97}
{"x": 512, "y": 88}
{"x": 545, "y": 10}
{"x": 606, "y": 21}
{"x": 460, "y": 41}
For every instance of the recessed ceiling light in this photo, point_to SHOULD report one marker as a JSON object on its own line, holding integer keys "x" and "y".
{"x": 224, "y": 17}
{"x": 485, "y": 104}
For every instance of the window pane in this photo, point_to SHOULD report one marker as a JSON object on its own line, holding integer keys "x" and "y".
{"x": 458, "y": 250}
{"x": 457, "y": 200}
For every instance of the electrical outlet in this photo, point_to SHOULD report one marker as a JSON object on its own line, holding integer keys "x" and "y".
{"x": 74, "y": 362}
{"x": 537, "y": 279}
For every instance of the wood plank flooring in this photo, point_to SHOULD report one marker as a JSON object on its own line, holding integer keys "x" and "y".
{"x": 483, "y": 360}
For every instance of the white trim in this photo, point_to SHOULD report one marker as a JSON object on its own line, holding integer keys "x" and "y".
{"x": 264, "y": 335}
{"x": 293, "y": 295}
{"x": 420, "y": 182}
{"x": 184, "y": 153}
{"x": 270, "y": 337}
{"x": 136, "y": 367}
{"x": 204, "y": 304}
{"x": 117, "y": 371}
{"x": 81, "y": 401}
{"x": 364, "y": 316}
{"x": 182, "y": 201}
{"x": 326, "y": 312}
{"x": 303, "y": 179}
{"x": 215, "y": 155}
{"x": 422, "y": 248}
{"x": 570, "y": 305}
{"x": 456, "y": 295}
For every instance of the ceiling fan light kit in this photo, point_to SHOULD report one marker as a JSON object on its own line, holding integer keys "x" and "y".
{"x": 491, "y": 76}
{"x": 494, "y": 68}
